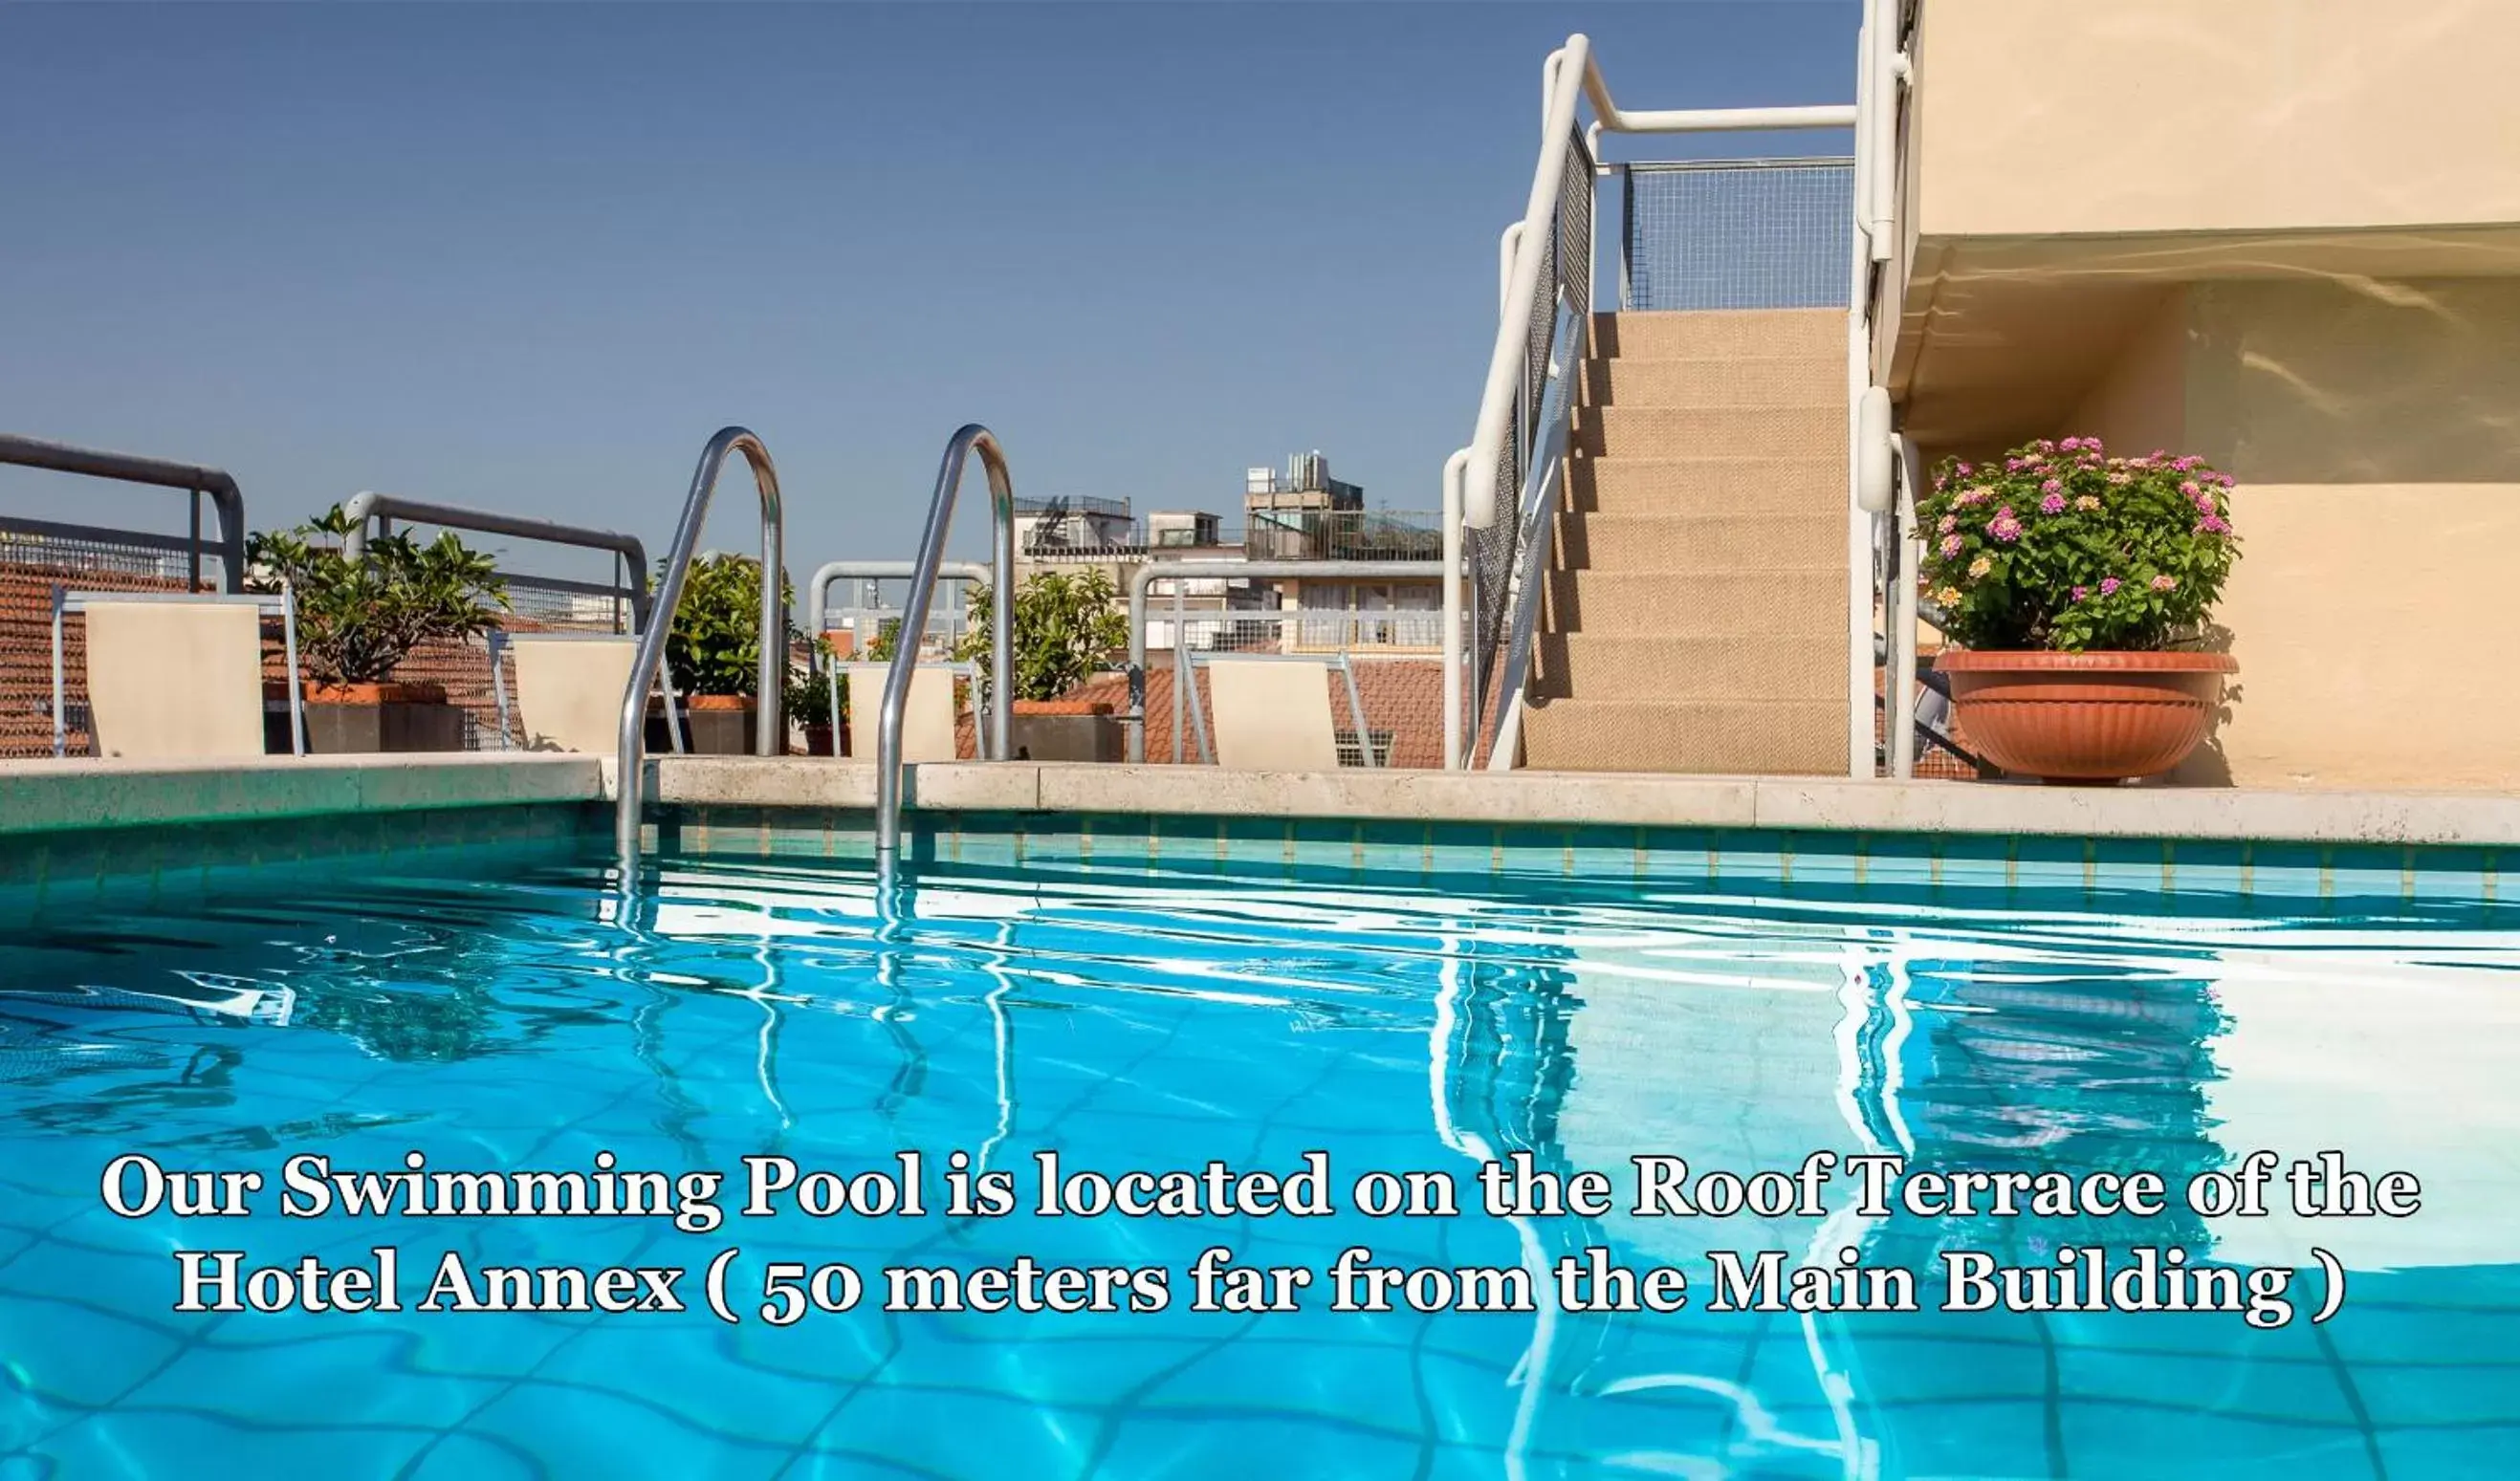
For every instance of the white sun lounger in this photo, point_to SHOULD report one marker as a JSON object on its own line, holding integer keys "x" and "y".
{"x": 174, "y": 675}
{"x": 926, "y": 716}
{"x": 1271, "y": 712}
{"x": 568, "y": 689}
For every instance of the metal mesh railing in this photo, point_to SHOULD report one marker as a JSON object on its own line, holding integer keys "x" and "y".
{"x": 35, "y": 557}
{"x": 1565, "y": 276}
{"x": 1736, "y": 234}
{"x": 1299, "y": 631}
{"x": 546, "y": 601}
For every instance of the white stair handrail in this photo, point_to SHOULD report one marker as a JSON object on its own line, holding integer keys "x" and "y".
{"x": 1470, "y": 481}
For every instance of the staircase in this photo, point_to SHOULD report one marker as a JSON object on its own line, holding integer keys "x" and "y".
{"x": 1695, "y": 606}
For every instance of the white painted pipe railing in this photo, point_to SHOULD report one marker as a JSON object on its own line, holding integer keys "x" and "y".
{"x": 1470, "y": 474}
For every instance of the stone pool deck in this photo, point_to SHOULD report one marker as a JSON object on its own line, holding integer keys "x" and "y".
{"x": 46, "y": 795}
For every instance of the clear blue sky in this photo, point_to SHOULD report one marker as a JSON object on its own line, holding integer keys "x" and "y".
{"x": 532, "y": 258}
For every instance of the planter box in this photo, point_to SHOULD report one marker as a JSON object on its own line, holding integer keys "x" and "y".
{"x": 1068, "y": 730}
{"x": 722, "y": 725}
{"x": 335, "y": 729}
{"x": 368, "y": 719}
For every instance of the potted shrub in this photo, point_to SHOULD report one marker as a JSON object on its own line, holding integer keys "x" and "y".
{"x": 2077, "y": 587}
{"x": 1065, "y": 627}
{"x": 713, "y": 650}
{"x": 358, "y": 622}
{"x": 809, "y": 700}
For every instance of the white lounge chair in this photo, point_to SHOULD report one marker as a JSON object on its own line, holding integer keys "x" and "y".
{"x": 569, "y": 688}
{"x": 1273, "y": 713}
{"x": 927, "y": 715}
{"x": 174, "y": 676}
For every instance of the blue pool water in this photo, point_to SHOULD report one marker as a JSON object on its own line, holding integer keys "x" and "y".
{"x": 506, "y": 1016}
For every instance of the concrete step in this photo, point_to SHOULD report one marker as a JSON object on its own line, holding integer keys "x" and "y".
{"x": 1716, "y": 380}
{"x": 1601, "y": 667}
{"x": 1709, "y": 485}
{"x": 1662, "y": 431}
{"x": 1703, "y": 737}
{"x": 1724, "y": 333}
{"x": 1804, "y": 602}
{"x": 1689, "y": 542}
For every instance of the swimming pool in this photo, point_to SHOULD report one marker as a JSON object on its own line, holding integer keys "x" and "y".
{"x": 1154, "y": 1005}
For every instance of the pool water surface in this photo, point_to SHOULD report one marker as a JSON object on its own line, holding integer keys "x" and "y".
{"x": 516, "y": 1017}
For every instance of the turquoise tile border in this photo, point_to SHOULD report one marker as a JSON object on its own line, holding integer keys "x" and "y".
{"x": 45, "y": 873}
{"x": 2157, "y": 875}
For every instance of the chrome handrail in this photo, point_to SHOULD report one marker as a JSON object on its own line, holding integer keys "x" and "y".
{"x": 669, "y": 593}
{"x": 914, "y": 620}
{"x": 818, "y": 599}
{"x": 1146, "y": 575}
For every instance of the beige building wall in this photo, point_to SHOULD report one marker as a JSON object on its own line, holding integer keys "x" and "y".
{"x": 2040, "y": 117}
{"x": 2375, "y": 430}
{"x": 2283, "y": 235}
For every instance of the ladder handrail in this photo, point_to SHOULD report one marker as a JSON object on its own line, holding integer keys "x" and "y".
{"x": 818, "y": 598}
{"x": 670, "y": 594}
{"x": 1145, "y": 577}
{"x": 817, "y": 587}
{"x": 973, "y": 437}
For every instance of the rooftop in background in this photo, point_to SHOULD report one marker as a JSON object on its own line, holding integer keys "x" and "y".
{"x": 1269, "y": 535}
{"x": 1301, "y": 514}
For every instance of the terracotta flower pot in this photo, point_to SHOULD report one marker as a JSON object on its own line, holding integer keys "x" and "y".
{"x": 318, "y": 693}
{"x": 1063, "y": 707}
{"x": 720, "y": 703}
{"x": 2084, "y": 717}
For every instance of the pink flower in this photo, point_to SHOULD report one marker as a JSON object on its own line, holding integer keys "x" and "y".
{"x": 2109, "y": 586}
{"x": 2224, "y": 480}
{"x": 2081, "y": 592}
{"x": 2051, "y": 486}
{"x": 2054, "y": 503}
{"x": 2213, "y": 524}
{"x": 2004, "y": 527}
{"x": 2185, "y": 464}
{"x": 1950, "y": 522}
{"x": 2044, "y": 445}
{"x": 2204, "y": 503}
{"x": 1951, "y": 545}
{"x": 2012, "y": 465}
{"x": 2165, "y": 583}
{"x": 1966, "y": 469}
{"x": 1970, "y": 497}
{"x": 2189, "y": 488}
{"x": 2072, "y": 444}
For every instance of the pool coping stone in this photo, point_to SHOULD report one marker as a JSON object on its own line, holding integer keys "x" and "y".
{"x": 46, "y": 795}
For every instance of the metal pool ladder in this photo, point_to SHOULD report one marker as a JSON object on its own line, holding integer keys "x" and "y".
{"x": 769, "y": 731}
{"x": 998, "y": 740}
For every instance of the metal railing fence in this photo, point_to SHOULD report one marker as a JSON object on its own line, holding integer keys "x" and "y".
{"x": 1735, "y": 233}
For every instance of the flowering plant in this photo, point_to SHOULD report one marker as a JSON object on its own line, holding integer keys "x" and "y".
{"x": 2064, "y": 548}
